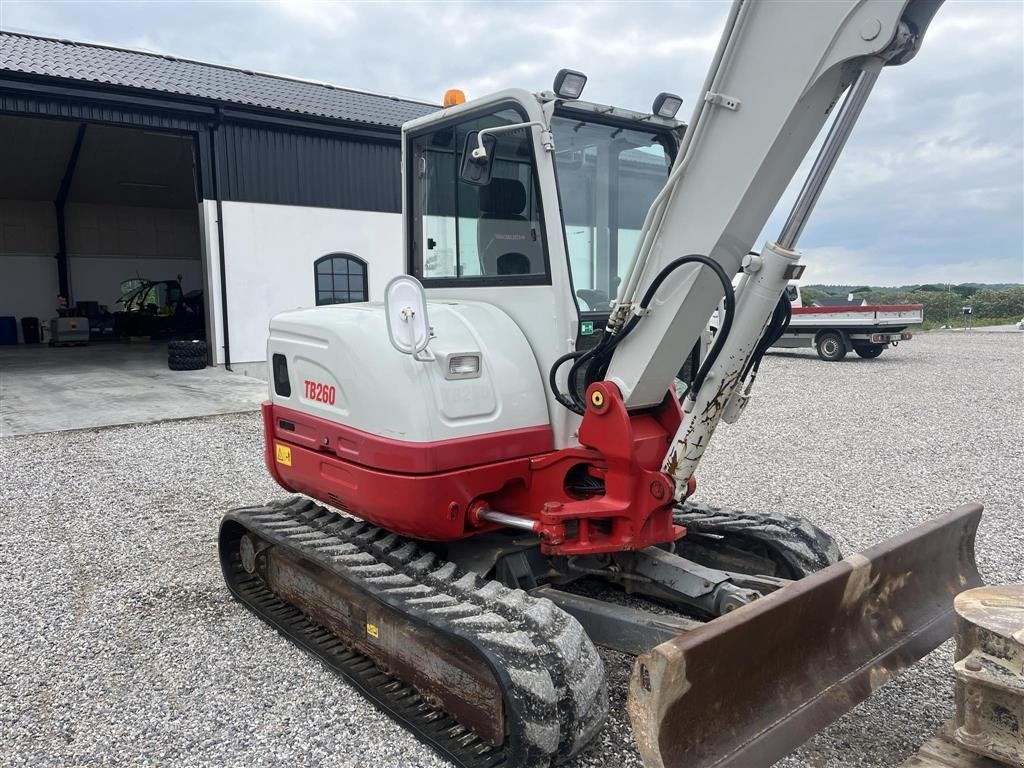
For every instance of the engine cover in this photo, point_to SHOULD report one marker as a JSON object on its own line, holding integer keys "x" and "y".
{"x": 341, "y": 367}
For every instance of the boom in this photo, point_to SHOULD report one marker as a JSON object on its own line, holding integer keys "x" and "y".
{"x": 779, "y": 70}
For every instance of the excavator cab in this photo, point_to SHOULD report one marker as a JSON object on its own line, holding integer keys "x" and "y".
{"x": 609, "y": 164}
{"x": 523, "y": 436}
{"x": 547, "y": 235}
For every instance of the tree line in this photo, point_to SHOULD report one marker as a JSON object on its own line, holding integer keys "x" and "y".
{"x": 943, "y": 304}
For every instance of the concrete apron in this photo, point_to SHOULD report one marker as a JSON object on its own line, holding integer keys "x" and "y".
{"x": 44, "y": 389}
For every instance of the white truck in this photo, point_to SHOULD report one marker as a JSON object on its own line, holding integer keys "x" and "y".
{"x": 866, "y": 329}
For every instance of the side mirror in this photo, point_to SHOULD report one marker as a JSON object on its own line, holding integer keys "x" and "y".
{"x": 405, "y": 307}
{"x": 477, "y": 169}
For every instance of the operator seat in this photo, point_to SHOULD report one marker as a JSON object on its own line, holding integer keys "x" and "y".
{"x": 507, "y": 241}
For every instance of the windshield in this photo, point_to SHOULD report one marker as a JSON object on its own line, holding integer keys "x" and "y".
{"x": 607, "y": 179}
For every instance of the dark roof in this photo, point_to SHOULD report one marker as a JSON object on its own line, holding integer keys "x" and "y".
{"x": 89, "y": 63}
{"x": 837, "y": 301}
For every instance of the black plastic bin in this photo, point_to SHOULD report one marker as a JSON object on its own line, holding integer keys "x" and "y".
{"x": 8, "y": 330}
{"x": 30, "y": 330}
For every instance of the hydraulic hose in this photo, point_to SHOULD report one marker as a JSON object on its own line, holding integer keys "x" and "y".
{"x": 723, "y": 331}
{"x": 565, "y": 400}
{"x": 601, "y": 354}
{"x": 597, "y": 372}
{"x": 779, "y": 324}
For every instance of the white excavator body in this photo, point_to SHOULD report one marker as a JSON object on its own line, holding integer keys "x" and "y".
{"x": 509, "y": 421}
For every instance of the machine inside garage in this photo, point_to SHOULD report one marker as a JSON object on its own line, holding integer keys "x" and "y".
{"x": 238, "y": 194}
{"x": 90, "y": 214}
{"x": 125, "y": 165}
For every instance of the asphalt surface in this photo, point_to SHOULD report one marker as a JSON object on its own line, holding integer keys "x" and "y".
{"x": 119, "y": 645}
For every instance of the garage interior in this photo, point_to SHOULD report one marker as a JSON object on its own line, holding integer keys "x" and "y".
{"x": 83, "y": 208}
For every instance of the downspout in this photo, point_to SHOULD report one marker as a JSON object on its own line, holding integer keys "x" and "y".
{"x": 214, "y": 175}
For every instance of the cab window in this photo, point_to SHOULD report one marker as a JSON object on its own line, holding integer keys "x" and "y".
{"x": 608, "y": 176}
{"x": 465, "y": 234}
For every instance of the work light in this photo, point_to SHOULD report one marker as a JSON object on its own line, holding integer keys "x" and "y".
{"x": 569, "y": 83}
{"x": 463, "y": 367}
{"x": 666, "y": 105}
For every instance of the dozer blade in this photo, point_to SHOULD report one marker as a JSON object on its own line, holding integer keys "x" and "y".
{"x": 751, "y": 686}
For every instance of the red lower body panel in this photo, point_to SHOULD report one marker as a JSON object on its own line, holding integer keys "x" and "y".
{"x": 432, "y": 491}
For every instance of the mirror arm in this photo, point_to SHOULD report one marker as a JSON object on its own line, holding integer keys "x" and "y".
{"x": 425, "y": 355}
{"x": 547, "y": 140}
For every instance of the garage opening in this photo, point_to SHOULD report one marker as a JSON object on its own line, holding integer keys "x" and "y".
{"x": 99, "y": 241}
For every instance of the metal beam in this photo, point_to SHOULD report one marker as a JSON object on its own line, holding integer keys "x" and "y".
{"x": 629, "y": 630}
{"x": 63, "y": 191}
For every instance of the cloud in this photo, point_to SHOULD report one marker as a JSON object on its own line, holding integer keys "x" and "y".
{"x": 838, "y": 265}
{"x": 932, "y": 177}
{"x": 326, "y": 17}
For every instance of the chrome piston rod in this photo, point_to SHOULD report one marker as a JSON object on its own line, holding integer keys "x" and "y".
{"x": 840, "y": 131}
{"x": 509, "y": 521}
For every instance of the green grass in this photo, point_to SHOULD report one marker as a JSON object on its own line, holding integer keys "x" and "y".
{"x": 978, "y": 322}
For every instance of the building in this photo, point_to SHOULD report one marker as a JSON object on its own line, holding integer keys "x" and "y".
{"x": 264, "y": 192}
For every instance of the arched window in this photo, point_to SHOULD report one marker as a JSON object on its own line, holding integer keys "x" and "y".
{"x": 340, "y": 278}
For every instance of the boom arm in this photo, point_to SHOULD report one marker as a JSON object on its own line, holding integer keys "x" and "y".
{"x": 779, "y": 70}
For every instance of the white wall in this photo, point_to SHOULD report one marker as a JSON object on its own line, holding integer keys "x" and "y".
{"x": 28, "y": 271}
{"x": 28, "y": 287}
{"x": 211, "y": 291}
{"x": 270, "y": 250}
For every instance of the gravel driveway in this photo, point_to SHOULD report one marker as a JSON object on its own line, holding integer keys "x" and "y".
{"x": 119, "y": 645}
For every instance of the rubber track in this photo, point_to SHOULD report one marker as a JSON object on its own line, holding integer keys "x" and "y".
{"x": 803, "y": 546}
{"x": 555, "y": 690}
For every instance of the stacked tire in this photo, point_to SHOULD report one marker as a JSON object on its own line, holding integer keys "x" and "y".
{"x": 187, "y": 355}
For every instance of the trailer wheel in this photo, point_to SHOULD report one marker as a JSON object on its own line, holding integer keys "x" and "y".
{"x": 869, "y": 351}
{"x": 831, "y": 346}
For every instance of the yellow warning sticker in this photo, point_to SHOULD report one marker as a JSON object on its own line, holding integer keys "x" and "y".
{"x": 371, "y": 630}
{"x": 283, "y": 454}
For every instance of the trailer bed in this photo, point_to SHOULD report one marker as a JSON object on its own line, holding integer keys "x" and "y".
{"x": 888, "y": 316}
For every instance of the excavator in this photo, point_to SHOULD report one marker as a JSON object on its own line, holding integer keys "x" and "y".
{"x": 494, "y": 467}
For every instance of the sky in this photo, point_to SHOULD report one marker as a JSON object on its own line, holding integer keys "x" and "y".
{"x": 930, "y": 187}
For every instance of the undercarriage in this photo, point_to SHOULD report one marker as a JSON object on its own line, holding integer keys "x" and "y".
{"x": 484, "y": 674}
{"x": 487, "y": 653}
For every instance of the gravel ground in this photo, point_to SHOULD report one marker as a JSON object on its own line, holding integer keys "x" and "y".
{"x": 120, "y": 646}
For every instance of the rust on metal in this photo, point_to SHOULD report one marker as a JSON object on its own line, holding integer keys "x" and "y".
{"x": 942, "y": 751}
{"x": 749, "y": 687}
{"x": 990, "y": 672}
{"x": 441, "y": 669}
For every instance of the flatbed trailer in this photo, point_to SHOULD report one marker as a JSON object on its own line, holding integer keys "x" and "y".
{"x": 834, "y": 331}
